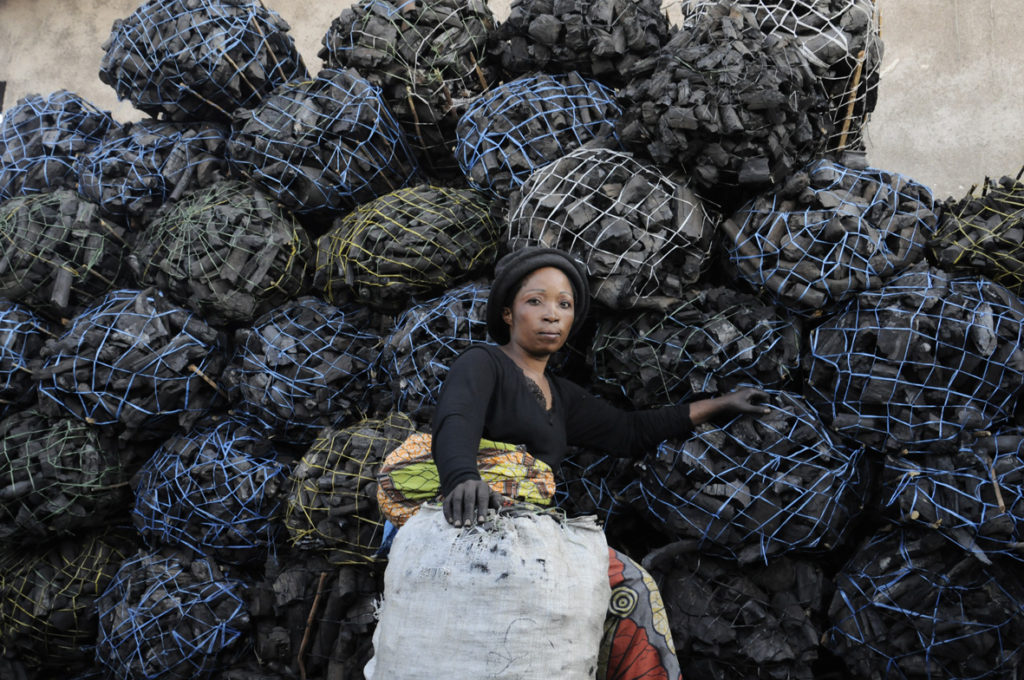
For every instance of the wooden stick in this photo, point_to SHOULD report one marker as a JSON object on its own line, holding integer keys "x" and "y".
{"x": 851, "y": 99}
{"x": 995, "y": 484}
{"x": 479, "y": 72}
{"x": 309, "y": 625}
{"x": 211, "y": 383}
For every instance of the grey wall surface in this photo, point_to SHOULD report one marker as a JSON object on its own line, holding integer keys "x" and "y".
{"x": 950, "y": 109}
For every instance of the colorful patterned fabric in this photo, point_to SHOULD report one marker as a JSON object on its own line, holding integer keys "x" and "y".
{"x": 637, "y": 643}
{"x": 408, "y": 477}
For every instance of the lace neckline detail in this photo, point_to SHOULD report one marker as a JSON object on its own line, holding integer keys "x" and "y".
{"x": 537, "y": 392}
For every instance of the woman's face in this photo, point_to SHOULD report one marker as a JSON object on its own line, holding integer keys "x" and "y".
{"x": 542, "y": 312}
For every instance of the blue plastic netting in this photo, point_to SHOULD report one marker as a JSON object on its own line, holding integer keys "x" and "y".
{"x": 216, "y": 490}
{"x": 40, "y": 138}
{"x": 427, "y": 338}
{"x": 912, "y": 605}
{"x": 22, "y": 334}
{"x": 831, "y": 233}
{"x": 974, "y": 497}
{"x": 323, "y": 145}
{"x": 190, "y": 60}
{"x": 139, "y": 166}
{"x": 519, "y": 126}
{"x": 169, "y": 616}
{"x": 302, "y": 366}
{"x": 756, "y": 486}
{"x": 714, "y": 340}
{"x": 135, "y": 359}
{"x": 914, "y": 364}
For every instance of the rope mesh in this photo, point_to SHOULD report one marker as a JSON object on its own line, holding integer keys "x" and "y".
{"x": 58, "y": 253}
{"x": 519, "y": 126}
{"x": 302, "y": 366}
{"x": 226, "y": 252}
{"x": 189, "y": 60}
{"x": 912, "y": 605}
{"x": 644, "y": 237}
{"x": 40, "y": 137}
{"x": 323, "y": 145}
{"x": 332, "y": 505}
{"x": 169, "y": 616}
{"x": 22, "y": 334}
{"x": 135, "y": 359}
{"x": 753, "y": 488}
{"x": 914, "y": 364}
{"x": 833, "y": 232}
{"x": 140, "y": 165}
{"x": 216, "y": 490}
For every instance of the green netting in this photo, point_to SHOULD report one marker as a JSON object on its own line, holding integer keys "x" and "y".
{"x": 133, "y": 359}
{"x": 57, "y": 476}
{"x": 57, "y": 253}
{"x": 216, "y": 490}
{"x": 911, "y": 605}
{"x": 170, "y": 615}
{"x": 199, "y": 60}
{"x": 714, "y": 340}
{"x": 985, "y": 234}
{"x": 40, "y": 138}
{"x": 322, "y": 146}
{"x": 228, "y": 252}
{"x": 644, "y": 236}
{"x": 428, "y": 59}
{"x": 48, "y": 596}
{"x": 841, "y": 40}
{"x": 410, "y": 243}
{"x": 302, "y": 366}
{"x": 601, "y": 39}
{"x": 332, "y": 506}
{"x": 134, "y": 169}
{"x": 21, "y": 336}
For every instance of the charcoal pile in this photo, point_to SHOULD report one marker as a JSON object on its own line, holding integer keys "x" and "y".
{"x": 750, "y": 621}
{"x": 302, "y": 366}
{"x": 974, "y": 497}
{"x": 216, "y": 490}
{"x": 912, "y": 365}
{"x": 189, "y": 61}
{"x": 831, "y": 233}
{"x": 843, "y": 46}
{"x": 413, "y": 242}
{"x": 133, "y": 359}
{"x": 59, "y": 253}
{"x": 592, "y": 483}
{"x": 427, "y": 58}
{"x": 40, "y": 137}
{"x": 912, "y": 605}
{"x": 170, "y": 615}
{"x": 332, "y": 504}
{"x": 48, "y": 598}
{"x": 985, "y": 234}
{"x": 757, "y": 487}
{"x": 600, "y": 39}
{"x": 228, "y": 252}
{"x": 313, "y": 619}
{"x": 323, "y": 145}
{"x": 22, "y": 334}
{"x": 427, "y": 338}
{"x": 714, "y": 340}
{"x": 733, "y": 107}
{"x": 139, "y": 166}
{"x": 644, "y": 237}
{"x": 59, "y": 476}
{"x": 519, "y": 126}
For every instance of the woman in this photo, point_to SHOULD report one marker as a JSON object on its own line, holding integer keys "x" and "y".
{"x": 505, "y": 393}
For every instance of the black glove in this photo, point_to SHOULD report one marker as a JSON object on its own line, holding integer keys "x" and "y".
{"x": 469, "y": 501}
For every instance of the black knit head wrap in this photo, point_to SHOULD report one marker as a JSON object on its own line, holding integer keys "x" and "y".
{"x": 517, "y": 265}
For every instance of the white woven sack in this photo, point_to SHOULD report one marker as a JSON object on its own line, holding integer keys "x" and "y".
{"x": 522, "y": 597}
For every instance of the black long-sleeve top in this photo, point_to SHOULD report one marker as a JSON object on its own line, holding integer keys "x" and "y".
{"x": 487, "y": 395}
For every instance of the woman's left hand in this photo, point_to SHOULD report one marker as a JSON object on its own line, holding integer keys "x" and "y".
{"x": 744, "y": 400}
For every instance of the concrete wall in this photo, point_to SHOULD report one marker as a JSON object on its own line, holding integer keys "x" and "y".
{"x": 950, "y": 110}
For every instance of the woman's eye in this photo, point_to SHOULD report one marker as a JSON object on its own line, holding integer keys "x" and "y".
{"x": 566, "y": 304}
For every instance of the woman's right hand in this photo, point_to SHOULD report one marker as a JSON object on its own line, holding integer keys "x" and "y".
{"x": 469, "y": 501}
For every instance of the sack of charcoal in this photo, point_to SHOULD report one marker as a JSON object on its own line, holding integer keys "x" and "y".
{"x": 22, "y": 334}
{"x": 182, "y": 60}
{"x": 41, "y": 136}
